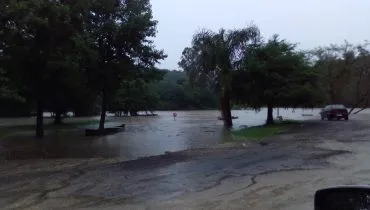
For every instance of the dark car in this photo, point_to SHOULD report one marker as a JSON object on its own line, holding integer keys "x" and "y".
{"x": 334, "y": 111}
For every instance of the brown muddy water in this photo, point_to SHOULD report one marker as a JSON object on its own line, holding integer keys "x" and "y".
{"x": 143, "y": 136}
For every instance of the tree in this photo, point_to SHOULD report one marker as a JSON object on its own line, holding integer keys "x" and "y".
{"x": 333, "y": 64}
{"x": 135, "y": 93}
{"x": 357, "y": 93}
{"x": 37, "y": 45}
{"x": 7, "y": 91}
{"x": 275, "y": 74}
{"x": 174, "y": 92}
{"x": 121, "y": 32}
{"x": 344, "y": 73}
{"x": 212, "y": 58}
{"x": 69, "y": 82}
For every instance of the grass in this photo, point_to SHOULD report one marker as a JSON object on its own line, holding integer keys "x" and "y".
{"x": 260, "y": 132}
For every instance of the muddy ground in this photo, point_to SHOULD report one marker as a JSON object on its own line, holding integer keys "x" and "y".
{"x": 281, "y": 173}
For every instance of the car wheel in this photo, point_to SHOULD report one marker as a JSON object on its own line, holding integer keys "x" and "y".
{"x": 346, "y": 118}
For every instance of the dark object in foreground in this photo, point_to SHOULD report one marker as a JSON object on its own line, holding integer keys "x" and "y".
{"x": 232, "y": 117}
{"x": 335, "y": 111}
{"x": 343, "y": 197}
{"x": 105, "y": 132}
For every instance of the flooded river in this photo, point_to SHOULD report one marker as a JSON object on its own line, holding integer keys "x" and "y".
{"x": 144, "y": 136}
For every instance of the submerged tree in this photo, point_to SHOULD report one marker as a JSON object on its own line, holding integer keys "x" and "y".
{"x": 213, "y": 56}
{"x": 275, "y": 74}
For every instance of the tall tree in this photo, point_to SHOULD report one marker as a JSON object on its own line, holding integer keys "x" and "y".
{"x": 121, "y": 32}
{"x": 213, "y": 56}
{"x": 275, "y": 74}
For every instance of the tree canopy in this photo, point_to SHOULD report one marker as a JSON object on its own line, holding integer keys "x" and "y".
{"x": 274, "y": 74}
{"x": 344, "y": 73}
{"x": 38, "y": 44}
{"x": 121, "y": 32}
{"x": 213, "y": 56}
{"x": 56, "y": 51}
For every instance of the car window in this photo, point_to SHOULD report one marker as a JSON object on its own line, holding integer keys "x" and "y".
{"x": 335, "y": 106}
{"x": 338, "y": 107}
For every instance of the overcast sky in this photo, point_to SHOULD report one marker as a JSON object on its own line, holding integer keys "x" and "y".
{"x": 310, "y": 23}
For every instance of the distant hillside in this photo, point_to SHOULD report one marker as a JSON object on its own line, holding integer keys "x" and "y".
{"x": 175, "y": 93}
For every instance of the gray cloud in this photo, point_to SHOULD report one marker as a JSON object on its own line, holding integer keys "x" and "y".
{"x": 310, "y": 23}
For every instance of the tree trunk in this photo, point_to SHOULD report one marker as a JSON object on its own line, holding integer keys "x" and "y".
{"x": 58, "y": 117}
{"x": 225, "y": 108}
{"x": 133, "y": 113}
{"x": 103, "y": 111}
{"x": 39, "y": 120}
{"x": 270, "y": 117}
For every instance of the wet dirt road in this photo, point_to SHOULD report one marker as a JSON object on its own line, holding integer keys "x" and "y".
{"x": 283, "y": 174}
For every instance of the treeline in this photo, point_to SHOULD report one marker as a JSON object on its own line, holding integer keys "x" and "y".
{"x": 61, "y": 56}
{"x": 344, "y": 73}
{"x": 172, "y": 91}
{"x": 176, "y": 93}
{"x": 251, "y": 71}
{"x": 93, "y": 57}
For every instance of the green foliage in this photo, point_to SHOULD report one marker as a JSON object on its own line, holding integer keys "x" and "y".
{"x": 275, "y": 74}
{"x": 38, "y": 50}
{"x": 7, "y": 91}
{"x": 64, "y": 55}
{"x": 213, "y": 56}
{"x": 344, "y": 74}
{"x": 121, "y": 33}
{"x": 162, "y": 90}
{"x": 175, "y": 93}
{"x": 136, "y": 95}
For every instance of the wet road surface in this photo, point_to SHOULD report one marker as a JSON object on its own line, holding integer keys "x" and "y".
{"x": 280, "y": 175}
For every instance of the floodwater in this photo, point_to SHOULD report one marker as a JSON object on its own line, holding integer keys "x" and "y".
{"x": 143, "y": 136}
{"x": 288, "y": 170}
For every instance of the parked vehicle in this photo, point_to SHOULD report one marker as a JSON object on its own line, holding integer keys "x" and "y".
{"x": 334, "y": 111}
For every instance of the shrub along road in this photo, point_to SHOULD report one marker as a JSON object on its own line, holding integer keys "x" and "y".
{"x": 282, "y": 173}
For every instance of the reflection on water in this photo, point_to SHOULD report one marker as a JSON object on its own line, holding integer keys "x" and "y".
{"x": 144, "y": 136}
